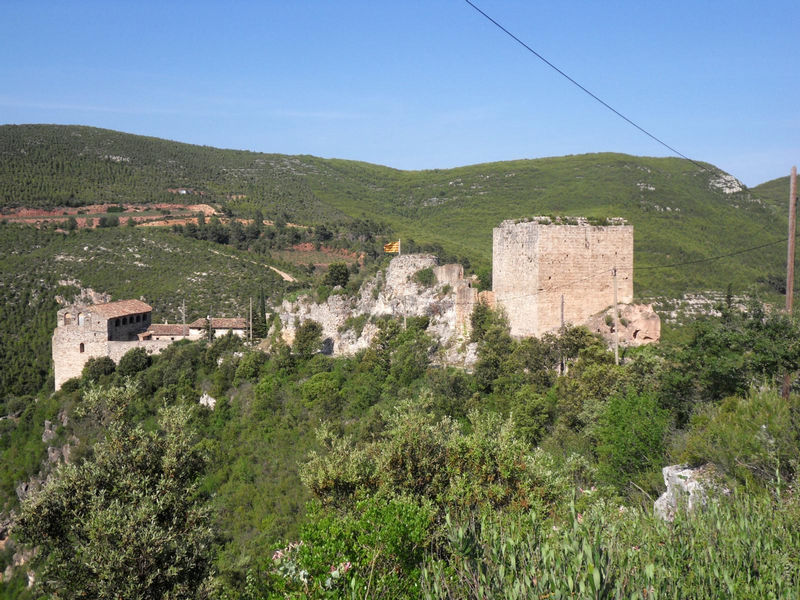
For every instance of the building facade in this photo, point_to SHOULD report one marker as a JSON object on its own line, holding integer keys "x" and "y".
{"x": 111, "y": 329}
{"x": 219, "y": 325}
{"x": 543, "y": 271}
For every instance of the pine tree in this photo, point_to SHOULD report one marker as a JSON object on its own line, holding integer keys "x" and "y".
{"x": 260, "y": 320}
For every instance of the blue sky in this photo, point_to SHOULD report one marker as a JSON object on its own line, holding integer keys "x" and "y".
{"x": 417, "y": 84}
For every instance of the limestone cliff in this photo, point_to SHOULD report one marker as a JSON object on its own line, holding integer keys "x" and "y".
{"x": 448, "y": 303}
{"x": 639, "y": 324}
{"x": 349, "y": 323}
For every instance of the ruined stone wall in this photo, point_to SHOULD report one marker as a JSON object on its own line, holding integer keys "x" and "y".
{"x": 450, "y": 274}
{"x": 515, "y": 274}
{"x": 448, "y": 304}
{"x": 534, "y": 264}
{"x": 73, "y": 345}
{"x": 116, "y": 350}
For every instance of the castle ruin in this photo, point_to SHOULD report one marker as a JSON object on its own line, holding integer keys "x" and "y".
{"x": 546, "y": 273}
{"x": 113, "y": 328}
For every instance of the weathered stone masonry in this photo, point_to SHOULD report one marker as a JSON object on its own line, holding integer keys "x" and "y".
{"x": 535, "y": 263}
{"x": 109, "y": 329}
{"x": 113, "y": 328}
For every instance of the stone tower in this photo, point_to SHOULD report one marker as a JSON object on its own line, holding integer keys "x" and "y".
{"x": 535, "y": 262}
{"x": 85, "y": 332}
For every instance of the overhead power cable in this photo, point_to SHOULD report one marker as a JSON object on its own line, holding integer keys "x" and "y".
{"x": 584, "y": 89}
{"x": 702, "y": 260}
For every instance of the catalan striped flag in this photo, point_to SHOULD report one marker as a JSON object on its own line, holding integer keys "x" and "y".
{"x": 392, "y": 247}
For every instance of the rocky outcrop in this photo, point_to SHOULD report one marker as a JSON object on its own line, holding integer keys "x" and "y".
{"x": 208, "y": 401}
{"x": 348, "y": 323}
{"x": 687, "y": 489}
{"x": 639, "y": 324}
{"x": 49, "y": 431}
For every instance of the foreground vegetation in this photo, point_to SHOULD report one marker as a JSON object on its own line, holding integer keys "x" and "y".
{"x": 384, "y": 476}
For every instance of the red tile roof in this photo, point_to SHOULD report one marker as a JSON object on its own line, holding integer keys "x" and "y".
{"x": 123, "y": 308}
{"x": 220, "y": 323}
{"x": 167, "y": 329}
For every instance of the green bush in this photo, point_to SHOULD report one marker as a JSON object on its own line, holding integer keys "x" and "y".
{"x": 307, "y": 339}
{"x": 249, "y": 367}
{"x": 533, "y": 414}
{"x": 321, "y": 394}
{"x": 375, "y": 551}
{"x": 338, "y": 274}
{"x": 432, "y": 460}
{"x": 425, "y": 277}
{"x": 631, "y": 436}
{"x": 483, "y": 318}
{"x": 95, "y": 368}
{"x": 108, "y": 221}
{"x": 133, "y": 361}
{"x": 355, "y": 323}
{"x": 128, "y": 521}
{"x": 754, "y": 438}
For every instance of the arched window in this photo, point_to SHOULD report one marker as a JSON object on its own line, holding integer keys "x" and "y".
{"x": 81, "y": 318}
{"x": 116, "y": 322}
{"x": 67, "y": 318}
{"x": 81, "y": 348}
{"x": 124, "y": 320}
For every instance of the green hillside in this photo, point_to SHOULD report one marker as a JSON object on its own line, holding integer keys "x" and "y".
{"x": 164, "y": 269}
{"x": 57, "y": 165}
{"x": 775, "y": 192}
{"x": 679, "y": 214}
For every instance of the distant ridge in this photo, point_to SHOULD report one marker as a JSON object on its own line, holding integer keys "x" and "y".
{"x": 679, "y": 213}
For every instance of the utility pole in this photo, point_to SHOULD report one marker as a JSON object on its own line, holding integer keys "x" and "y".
{"x": 792, "y": 233}
{"x": 616, "y": 319}
{"x": 183, "y": 318}
{"x": 562, "y": 363}
{"x": 787, "y": 379}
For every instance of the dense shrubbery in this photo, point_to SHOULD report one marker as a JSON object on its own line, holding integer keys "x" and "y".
{"x": 127, "y": 521}
{"x": 384, "y": 475}
{"x": 739, "y": 548}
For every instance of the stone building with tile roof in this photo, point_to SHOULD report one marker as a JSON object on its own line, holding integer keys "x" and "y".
{"x": 220, "y": 326}
{"x": 113, "y": 328}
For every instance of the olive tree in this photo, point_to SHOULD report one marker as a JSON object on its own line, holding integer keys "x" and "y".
{"x": 129, "y": 521}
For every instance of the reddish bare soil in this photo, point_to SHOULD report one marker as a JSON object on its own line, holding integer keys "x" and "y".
{"x": 38, "y": 217}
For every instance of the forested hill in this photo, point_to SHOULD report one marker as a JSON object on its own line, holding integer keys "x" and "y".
{"x": 775, "y": 192}
{"x": 681, "y": 213}
{"x": 57, "y": 165}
